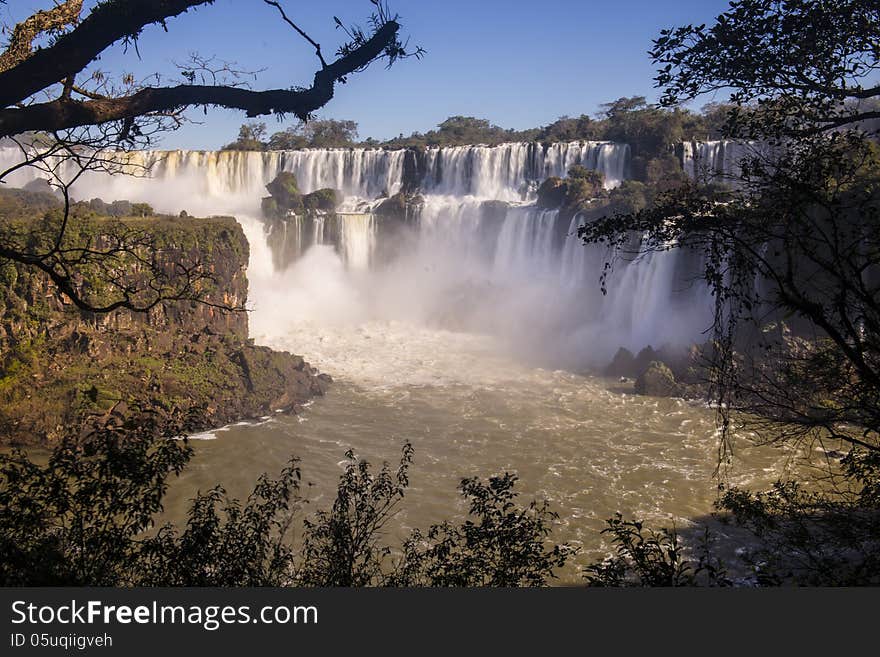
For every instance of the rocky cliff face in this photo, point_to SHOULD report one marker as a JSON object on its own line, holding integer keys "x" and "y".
{"x": 61, "y": 367}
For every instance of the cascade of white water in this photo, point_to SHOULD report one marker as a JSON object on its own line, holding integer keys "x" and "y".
{"x": 502, "y": 172}
{"x": 364, "y": 173}
{"x": 526, "y": 244}
{"x": 499, "y": 172}
{"x": 357, "y": 239}
{"x": 716, "y": 161}
{"x": 478, "y": 256}
{"x": 606, "y": 157}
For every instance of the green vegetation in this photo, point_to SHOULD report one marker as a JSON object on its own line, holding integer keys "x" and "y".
{"x": 317, "y": 133}
{"x": 650, "y": 131}
{"x": 62, "y": 365}
{"x": 87, "y": 518}
{"x": 790, "y": 254}
{"x": 287, "y": 199}
{"x": 645, "y": 557}
{"x": 324, "y": 200}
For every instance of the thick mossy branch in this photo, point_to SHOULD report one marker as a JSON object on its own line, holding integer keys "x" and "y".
{"x": 43, "y": 22}
{"x": 108, "y": 23}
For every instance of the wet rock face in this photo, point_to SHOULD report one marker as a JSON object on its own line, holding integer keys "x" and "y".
{"x": 61, "y": 367}
{"x": 667, "y": 372}
{"x": 415, "y": 169}
{"x": 551, "y": 194}
{"x": 658, "y": 381}
{"x": 293, "y": 221}
{"x": 627, "y": 365}
{"x": 322, "y": 200}
{"x": 622, "y": 365}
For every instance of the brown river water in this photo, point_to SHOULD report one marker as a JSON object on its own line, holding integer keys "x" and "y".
{"x": 579, "y": 442}
{"x": 471, "y": 406}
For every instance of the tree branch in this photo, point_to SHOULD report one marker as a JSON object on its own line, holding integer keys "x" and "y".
{"x": 298, "y": 29}
{"x": 67, "y": 113}
{"x": 108, "y": 23}
{"x": 838, "y": 122}
{"x": 24, "y": 34}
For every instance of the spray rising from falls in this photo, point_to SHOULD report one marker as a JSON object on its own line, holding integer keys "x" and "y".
{"x": 468, "y": 251}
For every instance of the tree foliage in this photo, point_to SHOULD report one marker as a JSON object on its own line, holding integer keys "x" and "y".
{"x": 342, "y": 545}
{"x": 811, "y": 538}
{"x": 801, "y": 220}
{"x": 809, "y": 66}
{"x": 647, "y": 557}
{"x": 790, "y": 245}
{"x": 316, "y": 133}
{"x": 225, "y": 542}
{"x": 76, "y": 520}
{"x": 651, "y": 130}
{"x": 88, "y": 517}
{"x": 504, "y": 544}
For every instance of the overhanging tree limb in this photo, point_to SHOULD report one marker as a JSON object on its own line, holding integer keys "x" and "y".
{"x": 66, "y": 113}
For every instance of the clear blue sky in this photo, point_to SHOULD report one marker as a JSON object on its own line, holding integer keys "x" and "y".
{"x": 518, "y": 63}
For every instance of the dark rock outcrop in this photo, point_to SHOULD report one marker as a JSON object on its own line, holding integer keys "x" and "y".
{"x": 572, "y": 194}
{"x": 415, "y": 168}
{"x": 402, "y": 207}
{"x": 393, "y": 206}
{"x": 644, "y": 359}
{"x": 667, "y": 372}
{"x": 623, "y": 364}
{"x": 286, "y": 199}
{"x": 284, "y": 190}
{"x": 322, "y": 200}
{"x": 294, "y": 221}
{"x": 551, "y": 194}
{"x": 629, "y": 366}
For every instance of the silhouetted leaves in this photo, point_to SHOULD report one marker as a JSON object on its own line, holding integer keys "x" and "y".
{"x": 86, "y": 518}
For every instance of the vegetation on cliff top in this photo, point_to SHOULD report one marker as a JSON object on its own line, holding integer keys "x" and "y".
{"x": 649, "y": 130}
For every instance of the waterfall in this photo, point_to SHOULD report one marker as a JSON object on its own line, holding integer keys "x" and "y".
{"x": 476, "y": 255}
{"x": 498, "y": 172}
{"x": 719, "y": 160}
{"x": 503, "y": 172}
{"x": 526, "y": 243}
{"x": 357, "y": 239}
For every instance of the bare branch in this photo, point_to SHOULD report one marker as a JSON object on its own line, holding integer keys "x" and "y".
{"x": 299, "y": 30}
